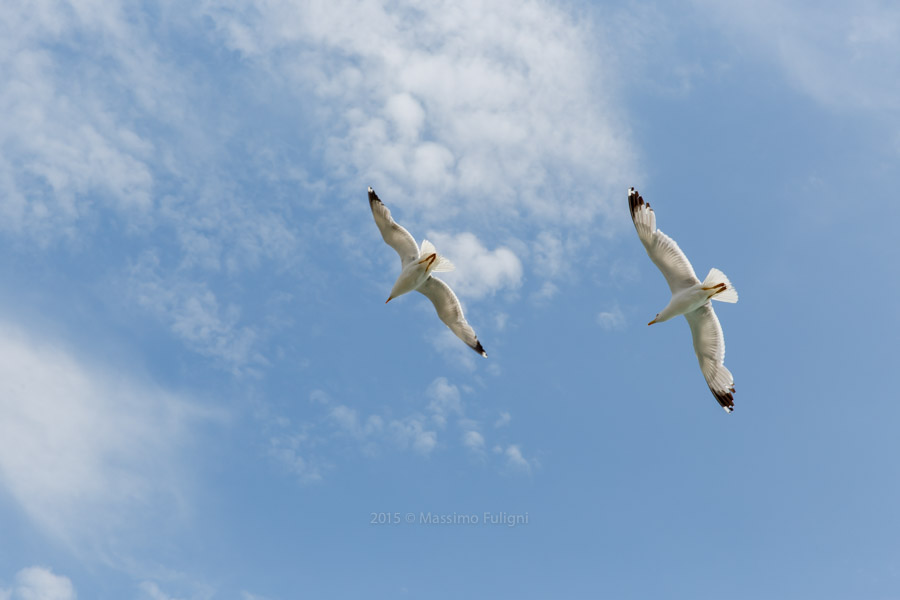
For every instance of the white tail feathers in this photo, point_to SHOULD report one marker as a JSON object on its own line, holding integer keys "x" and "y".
{"x": 716, "y": 277}
{"x": 427, "y": 248}
{"x": 441, "y": 264}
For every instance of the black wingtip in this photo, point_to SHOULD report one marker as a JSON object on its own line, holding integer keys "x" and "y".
{"x": 373, "y": 197}
{"x": 635, "y": 201}
{"x": 479, "y": 348}
{"x": 725, "y": 399}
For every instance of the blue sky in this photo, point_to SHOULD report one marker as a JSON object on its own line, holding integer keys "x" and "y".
{"x": 203, "y": 395}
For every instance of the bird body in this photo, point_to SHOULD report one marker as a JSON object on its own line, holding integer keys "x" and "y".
{"x": 411, "y": 277}
{"x": 690, "y": 297}
{"x": 418, "y": 266}
{"x": 416, "y": 272}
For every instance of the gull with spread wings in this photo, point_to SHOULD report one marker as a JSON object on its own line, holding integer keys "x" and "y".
{"x": 690, "y": 297}
{"x": 418, "y": 266}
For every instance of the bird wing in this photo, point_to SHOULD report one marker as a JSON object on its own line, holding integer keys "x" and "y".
{"x": 394, "y": 235}
{"x": 450, "y": 312}
{"x": 709, "y": 344}
{"x": 663, "y": 250}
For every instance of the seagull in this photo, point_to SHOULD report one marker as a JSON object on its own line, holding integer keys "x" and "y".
{"x": 418, "y": 266}
{"x": 690, "y": 297}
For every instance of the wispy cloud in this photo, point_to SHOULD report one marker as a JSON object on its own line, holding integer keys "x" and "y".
{"x": 845, "y": 56}
{"x": 83, "y": 451}
{"x": 193, "y": 313}
{"x": 515, "y": 460}
{"x": 497, "y": 113}
{"x": 104, "y": 128}
{"x": 612, "y": 319}
{"x": 290, "y": 448}
{"x": 373, "y": 431}
{"x": 308, "y": 448}
{"x": 151, "y": 591}
{"x": 445, "y": 401}
{"x": 480, "y": 272}
{"x": 412, "y": 431}
{"x": 495, "y": 125}
{"x": 473, "y": 440}
{"x": 39, "y": 583}
{"x": 69, "y": 143}
{"x": 455, "y": 352}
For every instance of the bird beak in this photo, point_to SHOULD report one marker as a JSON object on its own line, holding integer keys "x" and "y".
{"x": 389, "y": 299}
{"x": 652, "y": 322}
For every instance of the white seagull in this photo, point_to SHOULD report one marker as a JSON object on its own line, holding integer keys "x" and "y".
{"x": 418, "y": 266}
{"x": 690, "y": 298}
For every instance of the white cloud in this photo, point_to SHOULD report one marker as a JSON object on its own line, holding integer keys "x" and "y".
{"x": 515, "y": 460}
{"x": 612, "y": 319}
{"x": 39, "y": 583}
{"x": 68, "y": 143}
{"x": 348, "y": 420}
{"x": 446, "y": 342}
{"x": 319, "y": 397}
{"x": 411, "y": 432}
{"x": 304, "y": 448}
{"x": 85, "y": 452}
{"x": 289, "y": 448}
{"x": 546, "y": 293}
{"x": 549, "y": 254}
{"x": 479, "y": 272}
{"x": 103, "y": 127}
{"x": 151, "y": 591}
{"x": 406, "y": 114}
{"x": 844, "y": 55}
{"x": 193, "y": 313}
{"x": 445, "y": 400}
{"x": 473, "y": 441}
{"x": 494, "y": 110}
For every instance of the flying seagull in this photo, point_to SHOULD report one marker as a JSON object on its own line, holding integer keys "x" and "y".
{"x": 690, "y": 298}
{"x": 418, "y": 266}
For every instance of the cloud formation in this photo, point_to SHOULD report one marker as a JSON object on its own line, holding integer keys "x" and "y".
{"x": 497, "y": 111}
{"x": 845, "y": 56}
{"x": 83, "y": 451}
{"x": 104, "y": 128}
{"x": 479, "y": 272}
{"x": 612, "y": 319}
{"x": 500, "y": 119}
{"x": 67, "y": 142}
{"x": 515, "y": 460}
{"x": 193, "y": 313}
{"x": 39, "y": 583}
{"x": 302, "y": 447}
